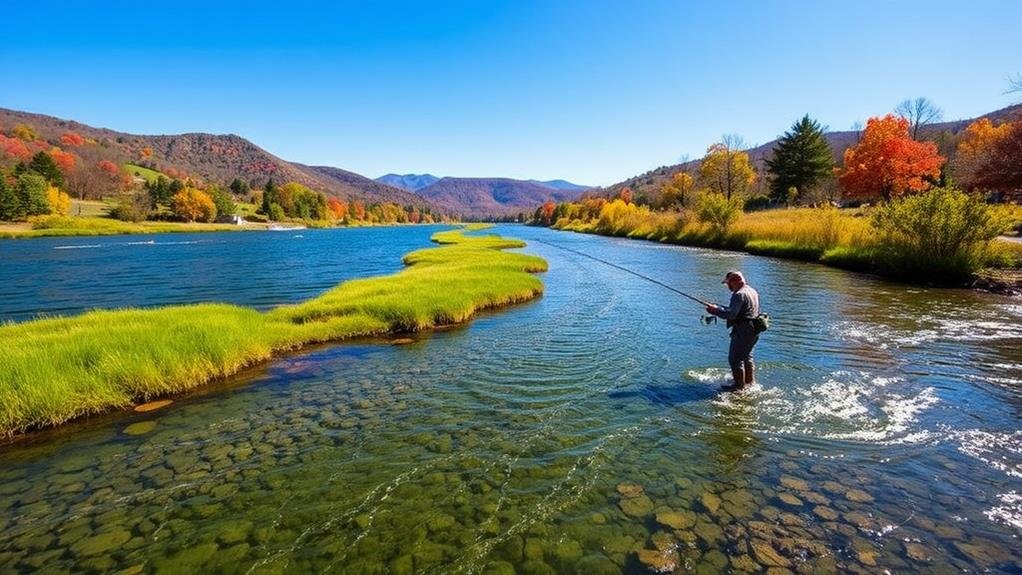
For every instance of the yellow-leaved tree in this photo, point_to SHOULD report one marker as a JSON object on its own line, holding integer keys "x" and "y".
{"x": 193, "y": 205}
{"x": 726, "y": 168}
{"x": 60, "y": 203}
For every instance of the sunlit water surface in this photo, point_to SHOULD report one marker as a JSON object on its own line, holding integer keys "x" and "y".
{"x": 579, "y": 433}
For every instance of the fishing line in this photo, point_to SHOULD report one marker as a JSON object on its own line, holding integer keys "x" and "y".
{"x": 624, "y": 269}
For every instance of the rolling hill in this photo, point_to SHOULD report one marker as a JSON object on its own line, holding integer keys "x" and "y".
{"x": 212, "y": 158}
{"x": 410, "y": 182}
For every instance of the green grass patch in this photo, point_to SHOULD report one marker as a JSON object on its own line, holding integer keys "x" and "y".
{"x": 782, "y": 249}
{"x": 56, "y": 370}
{"x": 47, "y": 226}
{"x": 144, "y": 173}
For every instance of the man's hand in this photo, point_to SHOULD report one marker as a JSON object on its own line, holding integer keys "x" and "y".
{"x": 711, "y": 308}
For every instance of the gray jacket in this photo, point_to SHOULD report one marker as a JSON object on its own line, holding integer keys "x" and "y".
{"x": 744, "y": 305}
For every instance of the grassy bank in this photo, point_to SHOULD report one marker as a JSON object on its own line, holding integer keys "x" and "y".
{"x": 51, "y": 226}
{"x": 55, "y": 370}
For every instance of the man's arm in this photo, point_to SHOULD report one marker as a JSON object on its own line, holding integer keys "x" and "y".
{"x": 733, "y": 309}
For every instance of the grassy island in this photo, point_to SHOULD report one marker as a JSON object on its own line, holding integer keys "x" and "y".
{"x": 56, "y": 370}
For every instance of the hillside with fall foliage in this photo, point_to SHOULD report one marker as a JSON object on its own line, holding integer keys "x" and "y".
{"x": 205, "y": 157}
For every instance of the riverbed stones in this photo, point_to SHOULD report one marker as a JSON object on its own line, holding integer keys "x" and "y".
{"x": 639, "y": 506}
{"x": 597, "y": 564}
{"x": 825, "y": 513}
{"x": 629, "y": 490}
{"x": 794, "y": 483}
{"x": 663, "y": 541}
{"x": 658, "y": 561}
{"x": 101, "y": 543}
{"x": 789, "y": 499}
{"x": 765, "y": 554}
{"x": 709, "y": 501}
{"x": 153, "y": 405}
{"x": 140, "y": 428}
{"x": 916, "y": 551}
{"x": 676, "y": 519}
{"x": 858, "y": 496}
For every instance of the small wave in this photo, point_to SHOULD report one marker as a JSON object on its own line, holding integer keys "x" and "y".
{"x": 141, "y": 243}
{"x": 81, "y": 247}
{"x": 709, "y": 375}
{"x": 1002, "y": 451}
{"x": 1008, "y": 512}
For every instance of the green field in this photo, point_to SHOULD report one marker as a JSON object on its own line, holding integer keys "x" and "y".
{"x": 56, "y": 370}
{"x": 145, "y": 173}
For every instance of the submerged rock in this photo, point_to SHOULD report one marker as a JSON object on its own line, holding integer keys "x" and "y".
{"x": 790, "y": 500}
{"x": 825, "y": 513}
{"x": 858, "y": 496}
{"x": 794, "y": 483}
{"x": 140, "y": 428}
{"x": 101, "y": 543}
{"x": 765, "y": 553}
{"x": 658, "y": 561}
{"x": 636, "y": 506}
{"x": 676, "y": 519}
{"x": 153, "y": 405}
{"x": 629, "y": 490}
{"x": 709, "y": 501}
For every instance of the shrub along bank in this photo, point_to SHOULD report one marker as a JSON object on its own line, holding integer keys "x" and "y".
{"x": 55, "y": 370}
{"x": 941, "y": 236}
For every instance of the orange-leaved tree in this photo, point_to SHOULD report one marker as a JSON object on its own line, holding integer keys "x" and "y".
{"x": 192, "y": 205}
{"x": 887, "y": 162}
{"x": 71, "y": 139}
{"x": 338, "y": 208}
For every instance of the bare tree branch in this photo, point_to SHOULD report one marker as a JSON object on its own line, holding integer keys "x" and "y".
{"x": 919, "y": 113}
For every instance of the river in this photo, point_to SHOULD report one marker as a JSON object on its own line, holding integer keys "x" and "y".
{"x": 578, "y": 433}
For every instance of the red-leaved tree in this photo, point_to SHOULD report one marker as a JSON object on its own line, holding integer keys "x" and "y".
{"x": 887, "y": 162}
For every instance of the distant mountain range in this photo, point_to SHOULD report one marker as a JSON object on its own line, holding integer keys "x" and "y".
{"x": 410, "y": 182}
{"x": 483, "y": 197}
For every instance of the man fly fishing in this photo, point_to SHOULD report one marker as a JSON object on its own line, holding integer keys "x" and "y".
{"x": 743, "y": 317}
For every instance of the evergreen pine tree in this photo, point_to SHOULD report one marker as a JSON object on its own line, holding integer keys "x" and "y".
{"x": 269, "y": 196}
{"x": 11, "y": 207}
{"x": 801, "y": 159}
{"x": 43, "y": 164}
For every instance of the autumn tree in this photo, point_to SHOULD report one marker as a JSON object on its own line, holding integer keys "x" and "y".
{"x": 1002, "y": 168}
{"x": 975, "y": 148}
{"x": 801, "y": 160}
{"x": 675, "y": 190}
{"x": 919, "y": 113}
{"x": 25, "y": 132}
{"x": 726, "y": 168}
{"x": 888, "y": 162}
{"x": 14, "y": 148}
{"x": 193, "y": 205}
{"x": 625, "y": 195}
{"x": 60, "y": 202}
{"x": 337, "y": 208}
{"x": 71, "y": 139}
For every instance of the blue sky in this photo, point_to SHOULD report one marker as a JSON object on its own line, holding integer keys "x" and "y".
{"x": 592, "y": 91}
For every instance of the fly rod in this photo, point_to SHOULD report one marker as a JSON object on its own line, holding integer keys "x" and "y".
{"x": 626, "y": 270}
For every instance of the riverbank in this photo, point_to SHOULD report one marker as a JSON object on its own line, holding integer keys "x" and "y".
{"x": 56, "y": 370}
{"x": 60, "y": 226}
{"x": 837, "y": 238}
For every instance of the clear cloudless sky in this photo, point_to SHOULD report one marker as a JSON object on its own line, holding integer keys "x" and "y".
{"x": 589, "y": 91}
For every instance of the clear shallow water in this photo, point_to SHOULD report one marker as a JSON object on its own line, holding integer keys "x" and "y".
{"x": 884, "y": 436}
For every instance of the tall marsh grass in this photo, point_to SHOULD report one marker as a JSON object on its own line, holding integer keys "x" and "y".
{"x": 55, "y": 370}
{"x": 940, "y": 236}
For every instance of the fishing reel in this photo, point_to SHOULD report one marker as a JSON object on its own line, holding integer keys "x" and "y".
{"x": 708, "y": 319}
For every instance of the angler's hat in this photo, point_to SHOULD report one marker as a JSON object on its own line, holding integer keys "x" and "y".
{"x": 733, "y": 274}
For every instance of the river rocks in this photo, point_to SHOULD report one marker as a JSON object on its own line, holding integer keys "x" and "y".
{"x": 101, "y": 543}
{"x": 858, "y": 496}
{"x": 833, "y": 487}
{"x": 663, "y": 541}
{"x": 596, "y": 564}
{"x": 915, "y": 551}
{"x": 794, "y": 483}
{"x": 639, "y": 506}
{"x": 153, "y": 405}
{"x": 140, "y": 428}
{"x": 858, "y": 519}
{"x": 825, "y": 513}
{"x": 499, "y": 568}
{"x": 709, "y": 501}
{"x": 744, "y": 564}
{"x": 658, "y": 561}
{"x": 676, "y": 519}
{"x": 767, "y": 555}
{"x": 789, "y": 499}
{"x": 629, "y": 490}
